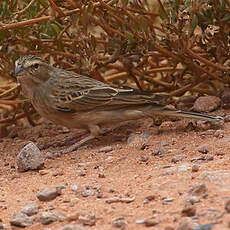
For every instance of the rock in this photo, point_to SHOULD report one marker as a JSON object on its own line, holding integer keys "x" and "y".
{"x": 183, "y": 168}
{"x": 48, "y": 194}
{"x": 30, "y": 158}
{"x": 186, "y": 224}
{"x": 87, "y": 220}
{"x": 149, "y": 198}
{"x": 193, "y": 199}
{"x": 101, "y": 175}
{"x": 189, "y": 210}
{"x": 227, "y": 206}
{"x": 30, "y": 209}
{"x": 20, "y": 219}
{"x": 105, "y": 149}
{"x": 204, "y": 226}
{"x": 195, "y": 168}
{"x": 120, "y": 199}
{"x": 167, "y": 200}
{"x": 151, "y": 222}
{"x": 73, "y": 227}
{"x": 219, "y": 133}
{"x": 144, "y": 158}
{"x": 81, "y": 172}
{"x": 138, "y": 140}
{"x": 178, "y": 158}
{"x": 119, "y": 222}
{"x": 198, "y": 190}
{"x": 88, "y": 192}
{"x": 227, "y": 118}
{"x": 47, "y": 218}
{"x": 203, "y": 149}
{"x": 206, "y": 104}
{"x": 74, "y": 187}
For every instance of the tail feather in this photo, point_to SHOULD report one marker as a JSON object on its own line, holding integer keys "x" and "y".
{"x": 187, "y": 114}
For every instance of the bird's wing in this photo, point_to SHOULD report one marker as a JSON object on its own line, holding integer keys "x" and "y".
{"x": 73, "y": 92}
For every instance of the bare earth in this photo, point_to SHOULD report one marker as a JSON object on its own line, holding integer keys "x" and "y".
{"x": 152, "y": 173}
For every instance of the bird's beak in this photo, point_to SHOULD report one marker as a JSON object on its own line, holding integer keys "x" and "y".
{"x": 18, "y": 69}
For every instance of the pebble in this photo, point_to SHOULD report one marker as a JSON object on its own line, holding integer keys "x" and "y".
{"x": 30, "y": 158}
{"x": 20, "y": 219}
{"x": 206, "y": 103}
{"x": 73, "y": 227}
{"x": 88, "y": 192}
{"x": 177, "y": 158}
{"x": 219, "y": 133}
{"x": 203, "y": 149}
{"x": 89, "y": 220}
{"x": 195, "y": 168}
{"x": 189, "y": 210}
{"x": 193, "y": 199}
{"x": 183, "y": 167}
{"x": 119, "y": 222}
{"x": 198, "y": 190}
{"x": 151, "y": 222}
{"x": 81, "y": 172}
{"x": 30, "y": 210}
{"x": 186, "y": 224}
{"x": 204, "y": 226}
{"x": 105, "y": 149}
{"x": 149, "y": 198}
{"x": 120, "y": 199}
{"x": 47, "y": 218}
{"x": 48, "y": 194}
{"x": 167, "y": 200}
{"x": 74, "y": 187}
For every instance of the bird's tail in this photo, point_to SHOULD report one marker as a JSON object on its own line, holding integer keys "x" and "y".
{"x": 187, "y": 114}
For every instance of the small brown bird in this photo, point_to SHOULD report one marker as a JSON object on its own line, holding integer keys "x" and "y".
{"x": 77, "y": 101}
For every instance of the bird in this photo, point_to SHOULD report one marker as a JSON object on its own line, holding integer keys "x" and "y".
{"x": 76, "y": 101}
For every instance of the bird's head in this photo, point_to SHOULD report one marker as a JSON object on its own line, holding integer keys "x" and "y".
{"x": 31, "y": 71}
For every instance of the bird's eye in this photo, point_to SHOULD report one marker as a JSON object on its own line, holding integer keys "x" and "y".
{"x": 36, "y": 66}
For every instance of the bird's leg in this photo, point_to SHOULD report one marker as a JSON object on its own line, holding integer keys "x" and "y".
{"x": 65, "y": 141}
{"x": 77, "y": 145}
{"x": 94, "y": 132}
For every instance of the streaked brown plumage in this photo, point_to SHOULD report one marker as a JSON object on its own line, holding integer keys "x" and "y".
{"x": 76, "y": 101}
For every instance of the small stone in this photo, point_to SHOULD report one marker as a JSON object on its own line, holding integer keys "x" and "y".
{"x": 144, "y": 158}
{"x": 198, "y": 190}
{"x": 227, "y": 206}
{"x": 149, "y": 198}
{"x": 21, "y": 220}
{"x": 43, "y": 172}
{"x": 47, "y": 194}
{"x": 47, "y": 218}
{"x": 120, "y": 199}
{"x": 106, "y": 149}
{"x": 167, "y": 200}
{"x": 204, "y": 226}
{"x": 177, "y": 158}
{"x": 189, "y": 210}
{"x": 151, "y": 222}
{"x": 206, "y": 103}
{"x": 74, "y": 187}
{"x": 101, "y": 175}
{"x": 219, "y": 133}
{"x": 30, "y": 158}
{"x": 195, "y": 168}
{"x": 227, "y": 118}
{"x": 30, "y": 210}
{"x": 49, "y": 155}
{"x": 193, "y": 199}
{"x": 73, "y": 227}
{"x": 87, "y": 220}
{"x": 186, "y": 224}
{"x": 81, "y": 172}
{"x": 183, "y": 167}
{"x": 209, "y": 157}
{"x": 203, "y": 149}
{"x": 87, "y": 192}
{"x": 119, "y": 222}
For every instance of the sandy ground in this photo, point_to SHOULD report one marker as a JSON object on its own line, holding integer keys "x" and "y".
{"x": 152, "y": 171}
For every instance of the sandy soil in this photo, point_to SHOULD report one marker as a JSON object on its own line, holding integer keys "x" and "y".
{"x": 155, "y": 166}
